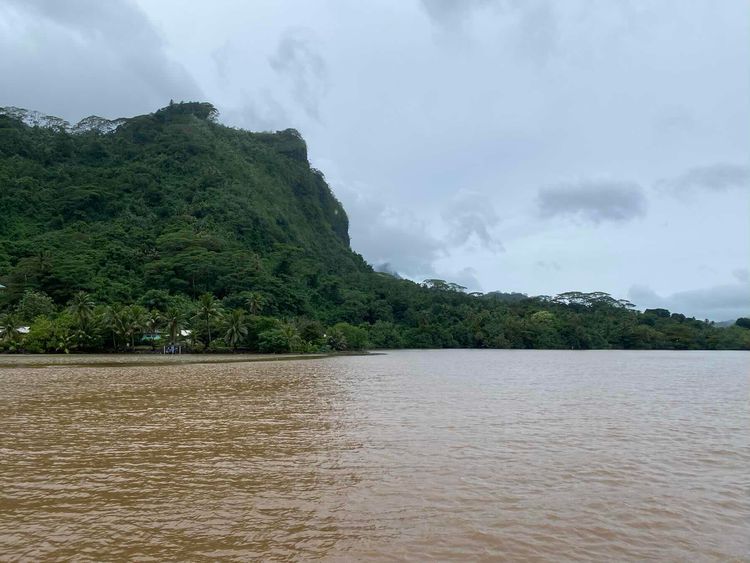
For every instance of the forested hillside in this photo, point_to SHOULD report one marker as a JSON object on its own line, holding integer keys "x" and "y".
{"x": 137, "y": 231}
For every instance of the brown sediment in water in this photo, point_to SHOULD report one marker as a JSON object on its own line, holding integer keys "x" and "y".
{"x": 440, "y": 455}
{"x": 148, "y": 359}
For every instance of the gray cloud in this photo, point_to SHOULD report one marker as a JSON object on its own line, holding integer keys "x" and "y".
{"x": 451, "y": 12}
{"x": 386, "y": 235}
{"x": 532, "y": 24}
{"x": 96, "y": 57}
{"x": 548, "y": 265}
{"x": 595, "y": 201}
{"x": 259, "y": 113}
{"x": 742, "y": 275}
{"x": 675, "y": 120}
{"x": 539, "y": 34}
{"x": 398, "y": 242}
{"x": 297, "y": 59}
{"x": 717, "y": 177}
{"x": 471, "y": 214}
{"x": 466, "y": 277}
{"x": 717, "y": 303}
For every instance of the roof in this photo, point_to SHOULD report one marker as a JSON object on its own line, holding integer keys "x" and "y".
{"x": 20, "y": 329}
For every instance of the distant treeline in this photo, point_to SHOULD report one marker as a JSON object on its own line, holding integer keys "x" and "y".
{"x": 170, "y": 227}
{"x": 431, "y": 317}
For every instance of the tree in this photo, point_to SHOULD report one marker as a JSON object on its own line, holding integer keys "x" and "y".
{"x": 85, "y": 332}
{"x": 173, "y": 320}
{"x": 34, "y": 304}
{"x": 254, "y": 303}
{"x": 9, "y": 333}
{"x": 337, "y": 339}
{"x": 82, "y": 308}
{"x": 207, "y": 312}
{"x": 115, "y": 320}
{"x": 742, "y": 322}
{"x": 283, "y": 338}
{"x": 138, "y": 319}
{"x": 236, "y": 328}
{"x": 354, "y": 338}
{"x": 152, "y": 324}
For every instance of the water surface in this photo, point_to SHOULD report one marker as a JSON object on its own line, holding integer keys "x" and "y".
{"x": 444, "y": 455}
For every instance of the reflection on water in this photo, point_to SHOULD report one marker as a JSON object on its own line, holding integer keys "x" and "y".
{"x": 450, "y": 455}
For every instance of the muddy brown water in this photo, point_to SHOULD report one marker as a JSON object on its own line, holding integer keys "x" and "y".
{"x": 414, "y": 455}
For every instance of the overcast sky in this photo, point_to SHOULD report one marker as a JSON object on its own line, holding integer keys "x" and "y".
{"x": 538, "y": 146}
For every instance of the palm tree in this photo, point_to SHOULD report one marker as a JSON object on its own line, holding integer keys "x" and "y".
{"x": 9, "y": 332}
{"x": 254, "y": 303}
{"x": 82, "y": 308}
{"x": 208, "y": 310}
{"x": 236, "y": 328}
{"x": 138, "y": 318}
{"x": 115, "y": 320}
{"x": 173, "y": 323}
{"x": 292, "y": 337}
{"x": 152, "y": 324}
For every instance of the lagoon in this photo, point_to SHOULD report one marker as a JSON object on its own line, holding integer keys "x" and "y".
{"x": 408, "y": 455}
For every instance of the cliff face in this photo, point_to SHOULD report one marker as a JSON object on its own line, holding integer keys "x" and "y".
{"x": 166, "y": 201}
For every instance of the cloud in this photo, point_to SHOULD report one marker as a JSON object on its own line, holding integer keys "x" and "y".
{"x": 717, "y": 177}
{"x": 94, "y": 57}
{"x": 550, "y": 265}
{"x": 538, "y": 34}
{"x": 258, "y": 113}
{"x": 389, "y": 235}
{"x": 718, "y": 303}
{"x": 676, "y": 120}
{"x": 742, "y": 275}
{"x": 595, "y": 201}
{"x": 531, "y": 25}
{"x": 466, "y": 277}
{"x": 297, "y": 59}
{"x": 451, "y": 12}
{"x": 471, "y": 214}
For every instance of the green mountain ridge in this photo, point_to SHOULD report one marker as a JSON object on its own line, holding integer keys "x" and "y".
{"x": 170, "y": 200}
{"x": 160, "y": 209}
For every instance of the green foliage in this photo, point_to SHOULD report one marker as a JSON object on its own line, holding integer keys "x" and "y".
{"x": 10, "y": 335}
{"x": 236, "y": 329}
{"x": 282, "y": 338}
{"x": 34, "y": 304}
{"x": 207, "y": 313}
{"x": 344, "y": 336}
{"x": 50, "y": 335}
{"x": 174, "y": 229}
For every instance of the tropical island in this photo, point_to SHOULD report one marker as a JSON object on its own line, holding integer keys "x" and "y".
{"x": 171, "y": 231}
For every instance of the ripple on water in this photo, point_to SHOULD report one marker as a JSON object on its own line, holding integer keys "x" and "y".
{"x": 449, "y": 455}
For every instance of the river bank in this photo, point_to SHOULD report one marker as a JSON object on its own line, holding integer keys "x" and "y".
{"x": 125, "y": 360}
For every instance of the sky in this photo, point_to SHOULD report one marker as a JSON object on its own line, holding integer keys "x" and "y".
{"x": 537, "y": 146}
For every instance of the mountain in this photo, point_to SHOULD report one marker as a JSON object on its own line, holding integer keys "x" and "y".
{"x": 170, "y": 201}
{"x": 160, "y": 209}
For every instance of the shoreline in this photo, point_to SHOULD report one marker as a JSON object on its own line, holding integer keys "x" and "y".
{"x": 11, "y": 361}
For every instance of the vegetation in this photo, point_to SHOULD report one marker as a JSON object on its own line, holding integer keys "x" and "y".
{"x": 172, "y": 228}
